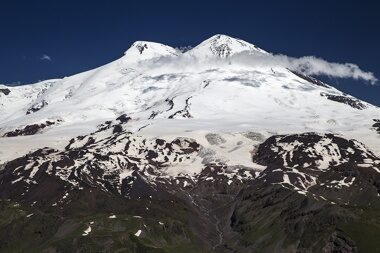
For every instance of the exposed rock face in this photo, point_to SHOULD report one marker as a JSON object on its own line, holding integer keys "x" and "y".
{"x": 29, "y": 129}
{"x": 123, "y": 118}
{"x": 321, "y": 164}
{"x": 141, "y": 47}
{"x": 36, "y": 107}
{"x": 311, "y": 79}
{"x": 376, "y": 125}
{"x": 5, "y": 91}
{"x": 345, "y": 99}
{"x": 184, "y": 113}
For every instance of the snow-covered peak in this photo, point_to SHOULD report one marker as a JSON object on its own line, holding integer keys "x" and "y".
{"x": 144, "y": 50}
{"x": 223, "y": 46}
{"x": 181, "y": 96}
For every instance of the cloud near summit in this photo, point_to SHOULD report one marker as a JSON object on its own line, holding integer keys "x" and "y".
{"x": 308, "y": 65}
{"x": 311, "y": 65}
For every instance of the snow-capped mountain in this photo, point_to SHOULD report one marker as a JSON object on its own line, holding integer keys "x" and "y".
{"x": 203, "y": 132}
{"x": 158, "y": 87}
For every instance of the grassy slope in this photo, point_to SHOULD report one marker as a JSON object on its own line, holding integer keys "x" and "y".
{"x": 43, "y": 232}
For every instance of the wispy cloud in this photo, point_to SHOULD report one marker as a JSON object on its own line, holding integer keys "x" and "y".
{"x": 45, "y": 57}
{"x": 308, "y": 65}
{"x": 16, "y": 83}
{"x": 311, "y": 65}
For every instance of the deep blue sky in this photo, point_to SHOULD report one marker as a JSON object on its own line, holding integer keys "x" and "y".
{"x": 80, "y": 35}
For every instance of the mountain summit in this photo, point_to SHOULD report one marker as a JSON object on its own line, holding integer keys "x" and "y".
{"x": 223, "y": 46}
{"x": 218, "y": 45}
{"x": 186, "y": 94}
{"x": 144, "y": 50}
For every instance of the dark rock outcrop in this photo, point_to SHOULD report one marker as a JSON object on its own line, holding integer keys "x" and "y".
{"x": 123, "y": 118}
{"x": 345, "y": 99}
{"x": 29, "y": 129}
{"x": 310, "y": 79}
{"x": 5, "y": 91}
{"x": 36, "y": 107}
{"x": 376, "y": 125}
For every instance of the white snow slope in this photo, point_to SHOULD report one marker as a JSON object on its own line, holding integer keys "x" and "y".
{"x": 171, "y": 94}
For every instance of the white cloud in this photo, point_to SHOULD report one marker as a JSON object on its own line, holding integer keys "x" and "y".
{"x": 308, "y": 65}
{"x": 311, "y": 65}
{"x": 45, "y": 57}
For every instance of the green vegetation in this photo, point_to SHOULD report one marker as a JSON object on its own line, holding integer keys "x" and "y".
{"x": 24, "y": 229}
{"x": 365, "y": 230}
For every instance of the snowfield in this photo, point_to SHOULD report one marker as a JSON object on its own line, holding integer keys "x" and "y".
{"x": 168, "y": 94}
